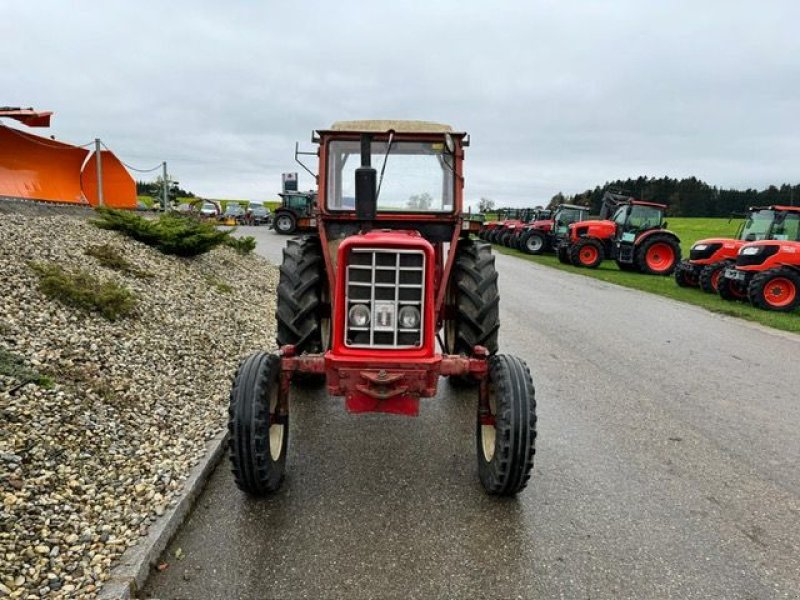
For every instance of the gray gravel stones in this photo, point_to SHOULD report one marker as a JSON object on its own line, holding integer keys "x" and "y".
{"x": 87, "y": 465}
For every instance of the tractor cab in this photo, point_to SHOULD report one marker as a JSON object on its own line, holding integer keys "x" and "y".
{"x": 387, "y": 295}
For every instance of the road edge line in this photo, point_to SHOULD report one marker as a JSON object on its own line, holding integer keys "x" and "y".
{"x": 133, "y": 569}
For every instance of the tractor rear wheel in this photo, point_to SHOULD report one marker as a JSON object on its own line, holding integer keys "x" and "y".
{"x": 777, "y": 289}
{"x": 711, "y": 274}
{"x": 685, "y": 275}
{"x": 302, "y": 288}
{"x": 506, "y": 433}
{"x": 658, "y": 254}
{"x": 259, "y": 434}
{"x": 474, "y": 297}
{"x": 728, "y": 289}
{"x": 534, "y": 243}
{"x": 285, "y": 223}
{"x": 587, "y": 252}
{"x": 563, "y": 255}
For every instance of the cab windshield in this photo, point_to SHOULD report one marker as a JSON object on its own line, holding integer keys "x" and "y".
{"x": 787, "y": 228}
{"x": 757, "y": 225}
{"x": 638, "y": 218}
{"x": 418, "y": 176}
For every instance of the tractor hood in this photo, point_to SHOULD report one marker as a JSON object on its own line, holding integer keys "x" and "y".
{"x": 723, "y": 242}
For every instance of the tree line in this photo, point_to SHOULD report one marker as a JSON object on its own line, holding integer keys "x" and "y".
{"x": 689, "y": 197}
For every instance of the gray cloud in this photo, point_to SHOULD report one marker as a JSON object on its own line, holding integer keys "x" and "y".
{"x": 556, "y": 95}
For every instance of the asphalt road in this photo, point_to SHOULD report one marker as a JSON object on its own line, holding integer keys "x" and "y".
{"x": 666, "y": 467}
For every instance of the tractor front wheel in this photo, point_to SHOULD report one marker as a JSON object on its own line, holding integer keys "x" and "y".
{"x": 728, "y": 289}
{"x": 285, "y": 223}
{"x": 776, "y": 289}
{"x": 586, "y": 253}
{"x": 258, "y": 426}
{"x": 563, "y": 255}
{"x": 658, "y": 254}
{"x": 506, "y": 428}
{"x": 685, "y": 275}
{"x": 711, "y": 275}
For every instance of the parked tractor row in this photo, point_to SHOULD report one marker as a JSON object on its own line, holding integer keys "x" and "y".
{"x": 761, "y": 265}
{"x": 630, "y": 232}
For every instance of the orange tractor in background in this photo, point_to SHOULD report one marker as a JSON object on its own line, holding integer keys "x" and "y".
{"x": 635, "y": 237}
{"x": 767, "y": 272}
{"x": 709, "y": 258}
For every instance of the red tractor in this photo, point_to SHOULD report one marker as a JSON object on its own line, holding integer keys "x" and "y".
{"x": 709, "y": 258}
{"x": 540, "y": 236}
{"x": 635, "y": 237}
{"x": 362, "y": 303}
{"x": 767, "y": 272}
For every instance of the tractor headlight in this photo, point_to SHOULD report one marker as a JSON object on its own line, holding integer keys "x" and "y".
{"x": 750, "y": 250}
{"x": 699, "y": 247}
{"x": 409, "y": 317}
{"x": 358, "y": 315}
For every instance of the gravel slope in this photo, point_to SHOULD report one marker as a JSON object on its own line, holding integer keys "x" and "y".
{"x": 86, "y": 465}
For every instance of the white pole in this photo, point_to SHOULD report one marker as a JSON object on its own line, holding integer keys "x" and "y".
{"x": 164, "y": 196}
{"x": 100, "y": 200}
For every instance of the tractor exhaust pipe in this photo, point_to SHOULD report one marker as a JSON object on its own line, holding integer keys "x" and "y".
{"x": 366, "y": 183}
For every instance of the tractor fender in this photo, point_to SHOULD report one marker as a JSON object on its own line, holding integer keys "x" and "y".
{"x": 542, "y": 226}
{"x": 647, "y": 234}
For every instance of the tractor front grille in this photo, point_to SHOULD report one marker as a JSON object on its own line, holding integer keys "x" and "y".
{"x": 705, "y": 253}
{"x": 385, "y": 281}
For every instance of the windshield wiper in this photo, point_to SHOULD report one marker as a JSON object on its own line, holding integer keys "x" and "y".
{"x": 383, "y": 167}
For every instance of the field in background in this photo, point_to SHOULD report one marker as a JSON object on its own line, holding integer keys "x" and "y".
{"x": 149, "y": 201}
{"x": 689, "y": 231}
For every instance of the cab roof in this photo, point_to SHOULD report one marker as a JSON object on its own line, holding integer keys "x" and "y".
{"x": 643, "y": 203}
{"x": 383, "y": 125}
{"x": 777, "y": 207}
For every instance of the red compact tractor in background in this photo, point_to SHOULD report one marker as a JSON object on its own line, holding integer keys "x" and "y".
{"x": 540, "y": 236}
{"x": 362, "y": 303}
{"x": 767, "y": 273}
{"x": 635, "y": 237}
{"x": 709, "y": 258}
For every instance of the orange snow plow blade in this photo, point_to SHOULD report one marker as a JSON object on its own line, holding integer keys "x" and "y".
{"x": 27, "y": 116}
{"x": 39, "y": 168}
{"x": 119, "y": 188}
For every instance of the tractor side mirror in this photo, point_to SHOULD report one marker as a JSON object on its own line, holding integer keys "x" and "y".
{"x": 366, "y": 183}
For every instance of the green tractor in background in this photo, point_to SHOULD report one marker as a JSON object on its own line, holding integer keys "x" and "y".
{"x": 296, "y": 212}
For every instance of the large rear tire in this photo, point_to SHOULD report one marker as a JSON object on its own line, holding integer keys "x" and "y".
{"x": 301, "y": 288}
{"x": 587, "y": 252}
{"x": 299, "y": 294}
{"x": 711, "y": 274}
{"x": 777, "y": 289}
{"x": 474, "y": 296}
{"x": 534, "y": 243}
{"x": 285, "y": 223}
{"x": 658, "y": 254}
{"x": 259, "y": 435}
{"x": 506, "y": 438}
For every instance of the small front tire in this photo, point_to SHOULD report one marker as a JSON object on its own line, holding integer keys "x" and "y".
{"x": 506, "y": 436}
{"x": 587, "y": 253}
{"x": 259, "y": 435}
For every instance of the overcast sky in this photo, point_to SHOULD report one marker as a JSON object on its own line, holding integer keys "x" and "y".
{"x": 557, "y": 95}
